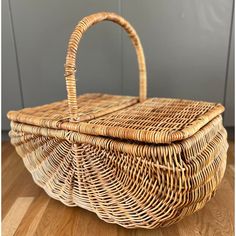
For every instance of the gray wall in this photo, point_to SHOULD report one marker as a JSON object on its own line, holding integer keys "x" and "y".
{"x": 11, "y": 92}
{"x": 186, "y": 44}
{"x": 229, "y": 89}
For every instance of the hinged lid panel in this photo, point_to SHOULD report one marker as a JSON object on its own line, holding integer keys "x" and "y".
{"x": 54, "y": 115}
{"x": 157, "y": 120}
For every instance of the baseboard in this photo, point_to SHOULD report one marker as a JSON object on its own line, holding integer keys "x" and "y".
{"x": 230, "y": 131}
{"x": 5, "y": 136}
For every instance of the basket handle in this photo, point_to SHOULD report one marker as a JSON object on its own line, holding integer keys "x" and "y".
{"x": 75, "y": 38}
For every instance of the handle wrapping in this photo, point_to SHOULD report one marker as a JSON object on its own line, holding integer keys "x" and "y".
{"x": 75, "y": 38}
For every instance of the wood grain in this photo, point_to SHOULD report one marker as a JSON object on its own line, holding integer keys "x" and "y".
{"x": 37, "y": 214}
{"x": 13, "y": 218}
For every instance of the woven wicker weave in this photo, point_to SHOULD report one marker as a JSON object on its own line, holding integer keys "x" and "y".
{"x": 136, "y": 162}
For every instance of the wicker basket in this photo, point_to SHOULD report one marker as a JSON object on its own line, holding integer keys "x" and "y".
{"x": 138, "y": 162}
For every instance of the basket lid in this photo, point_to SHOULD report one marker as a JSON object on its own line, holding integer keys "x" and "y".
{"x": 156, "y": 120}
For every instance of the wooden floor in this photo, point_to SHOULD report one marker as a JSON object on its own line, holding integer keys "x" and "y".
{"x": 27, "y": 210}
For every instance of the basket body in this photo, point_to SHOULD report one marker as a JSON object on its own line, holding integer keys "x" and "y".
{"x": 133, "y": 185}
{"x": 138, "y": 162}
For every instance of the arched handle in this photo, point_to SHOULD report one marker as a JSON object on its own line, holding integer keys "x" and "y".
{"x": 75, "y": 38}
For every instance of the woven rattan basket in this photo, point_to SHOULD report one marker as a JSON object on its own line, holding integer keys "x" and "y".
{"x": 138, "y": 162}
